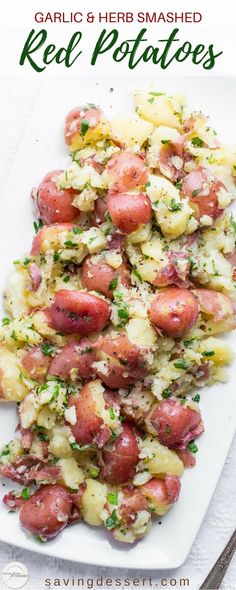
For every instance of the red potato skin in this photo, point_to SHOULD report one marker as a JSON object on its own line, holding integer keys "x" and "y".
{"x": 171, "y": 274}
{"x": 100, "y": 210}
{"x": 186, "y": 457}
{"x": 166, "y": 491}
{"x": 167, "y": 152}
{"x": 35, "y": 275}
{"x": 98, "y": 277}
{"x": 54, "y": 205}
{"x": 36, "y": 364}
{"x": 126, "y": 171}
{"x": 214, "y": 304}
{"x": 48, "y": 233}
{"x": 202, "y": 204}
{"x": 75, "y": 116}
{"x": 174, "y": 424}
{"x": 47, "y": 512}
{"x": 133, "y": 502}
{"x": 126, "y": 362}
{"x": 129, "y": 210}
{"x": 88, "y": 423}
{"x": 77, "y": 312}
{"x": 118, "y": 464}
{"x": 174, "y": 311}
{"x": 13, "y": 502}
{"x": 74, "y": 355}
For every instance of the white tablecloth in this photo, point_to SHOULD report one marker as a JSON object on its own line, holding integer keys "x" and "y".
{"x": 16, "y": 102}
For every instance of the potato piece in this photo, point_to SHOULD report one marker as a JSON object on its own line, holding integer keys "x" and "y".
{"x": 172, "y": 212}
{"x": 140, "y": 332}
{"x": 163, "y": 133}
{"x": 72, "y": 474}
{"x": 159, "y": 459}
{"x": 129, "y": 131}
{"x": 94, "y": 239}
{"x": 11, "y": 387}
{"x": 142, "y": 234}
{"x": 20, "y": 330}
{"x": 93, "y": 501}
{"x": 28, "y": 410}
{"x": 147, "y": 270}
{"x": 154, "y": 249}
{"x": 158, "y": 108}
{"x": 59, "y": 444}
{"x": 12, "y": 451}
{"x": 93, "y": 135}
{"x": 223, "y": 354}
{"x": 46, "y": 418}
{"x": 15, "y": 294}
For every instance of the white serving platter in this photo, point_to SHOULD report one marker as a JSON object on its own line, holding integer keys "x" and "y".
{"x": 42, "y": 150}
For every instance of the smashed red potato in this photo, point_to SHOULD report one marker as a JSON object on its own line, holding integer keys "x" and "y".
{"x": 113, "y": 319}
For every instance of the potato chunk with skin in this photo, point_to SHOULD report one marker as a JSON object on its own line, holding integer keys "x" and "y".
{"x": 11, "y": 387}
{"x": 158, "y": 459}
{"x": 129, "y": 131}
{"x": 93, "y": 501}
{"x": 162, "y": 493}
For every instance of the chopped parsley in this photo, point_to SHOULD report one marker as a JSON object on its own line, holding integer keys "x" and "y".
{"x": 84, "y": 127}
{"x": 137, "y": 275}
{"x": 197, "y": 398}
{"x": 66, "y": 279}
{"x": 107, "y": 216}
{"x": 5, "y": 451}
{"x": 37, "y": 226}
{"x": 112, "y": 521}
{"x": 196, "y": 192}
{"x": 174, "y": 206}
{"x": 76, "y": 447}
{"x": 157, "y": 93}
{"x": 181, "y": 364}
{"x": 123, "y": 314}
{"x": 113, "y": 284}
{"x": 112, "y": 497}
{"x": 192, "y": 447}
{"x": 42, "y": 436}
{"x": 188, "y": 342}
{"x": 165, "y": 141}
{"x": 94, "y": 471}
{"x": 167, "y": 429}
{"x": 167, "y": 393}
{"x": 196, "y": 141}
{"x": 208, "y": 353}
{"x": 5, "y": 321}
{"x": 233, "y": 223}
{"x": 47, "y": 349}
{"x": 178, "y": 184}
{"x": 112, "y": 413}
{"x": 25, "y": 493}
{"x": 77, "y": 230}
{"x": 70, "y": 244}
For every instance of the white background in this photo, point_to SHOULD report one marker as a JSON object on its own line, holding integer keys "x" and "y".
{"x": 17, "y": 97}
